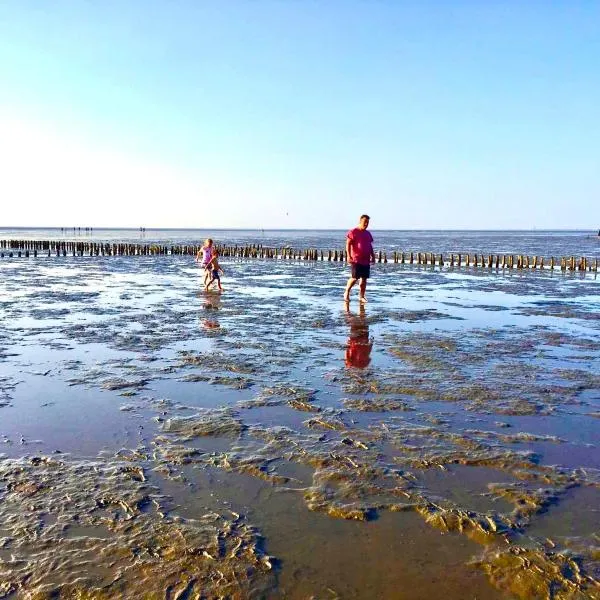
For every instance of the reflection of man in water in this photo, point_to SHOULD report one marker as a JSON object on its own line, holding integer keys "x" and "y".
{"x": 358, "y": 348}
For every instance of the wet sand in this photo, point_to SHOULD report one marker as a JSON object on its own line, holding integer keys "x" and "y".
{"x": 271, "y": 443}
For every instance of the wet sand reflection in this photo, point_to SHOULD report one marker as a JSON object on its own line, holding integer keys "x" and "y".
{"x": 359, "y": 344}
{"x": 211, "y": 304}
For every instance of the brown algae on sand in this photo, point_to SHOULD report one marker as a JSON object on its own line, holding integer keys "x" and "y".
{"x": 535, "y": 573}
{"x": 351, "y": 480}
{"x": 95, "y": 530}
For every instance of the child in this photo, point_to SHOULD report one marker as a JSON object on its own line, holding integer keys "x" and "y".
{"x": 214, "y": 268}
{"x": 204, "y": 257}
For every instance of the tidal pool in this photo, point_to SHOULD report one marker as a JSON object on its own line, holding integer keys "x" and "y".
{"x": 157, "y": 441}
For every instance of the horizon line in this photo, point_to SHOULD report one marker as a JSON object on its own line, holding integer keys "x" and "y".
{"x": 146, "y": 229}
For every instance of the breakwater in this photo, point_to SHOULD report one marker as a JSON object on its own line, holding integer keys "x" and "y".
{"x": 34, "y": 248}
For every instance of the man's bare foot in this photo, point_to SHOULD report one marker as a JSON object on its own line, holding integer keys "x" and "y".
{"x": 362, "y": 300}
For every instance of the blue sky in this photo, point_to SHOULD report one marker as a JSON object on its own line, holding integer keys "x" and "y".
{"x": 296, "y": 113}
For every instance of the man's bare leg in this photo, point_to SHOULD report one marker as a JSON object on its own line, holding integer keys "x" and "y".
{"x": 349, "y": 286}
{"x": 363, "y": 289}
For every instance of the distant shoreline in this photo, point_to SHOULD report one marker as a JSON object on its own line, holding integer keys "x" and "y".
{"x": 271, "y": 229}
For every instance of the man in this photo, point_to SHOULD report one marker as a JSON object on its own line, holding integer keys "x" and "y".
{"x": 360, "y": 254}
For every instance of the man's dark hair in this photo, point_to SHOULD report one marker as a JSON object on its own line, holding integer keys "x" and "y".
{"x": 364, "y": 217}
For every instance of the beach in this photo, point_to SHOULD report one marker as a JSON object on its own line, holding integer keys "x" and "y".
{"x": 270, "y": 442}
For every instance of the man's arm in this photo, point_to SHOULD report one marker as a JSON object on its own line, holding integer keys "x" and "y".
{"x": 372, "y": 250}
{"x": 348, "y": 249}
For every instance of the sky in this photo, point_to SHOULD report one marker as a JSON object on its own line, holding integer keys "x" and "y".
{"x": 300, "y": 113}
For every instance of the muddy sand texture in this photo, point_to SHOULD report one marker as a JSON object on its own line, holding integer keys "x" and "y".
{"x": 147, "y": 452}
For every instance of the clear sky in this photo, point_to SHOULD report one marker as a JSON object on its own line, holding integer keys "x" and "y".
{"x": 300, "y": 113}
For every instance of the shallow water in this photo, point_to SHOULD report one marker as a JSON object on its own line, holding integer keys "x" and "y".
{"x": 426, "y": 444}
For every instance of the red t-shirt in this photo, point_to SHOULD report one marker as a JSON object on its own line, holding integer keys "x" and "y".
{"x": 361, "y": 244}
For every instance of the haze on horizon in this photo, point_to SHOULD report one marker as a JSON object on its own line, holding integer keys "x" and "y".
{"x": 269, "y": 114}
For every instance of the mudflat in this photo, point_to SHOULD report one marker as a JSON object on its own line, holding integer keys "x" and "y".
{"x": 157, "y": 441}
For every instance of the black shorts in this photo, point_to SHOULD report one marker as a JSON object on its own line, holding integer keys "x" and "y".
{"x": 360, "y": 271}
{"x": 215, "y": 274}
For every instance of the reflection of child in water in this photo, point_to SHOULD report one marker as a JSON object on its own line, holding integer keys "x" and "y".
{"x": 211, "y": 306}
{"x": 359, "y": 345}
{"x": 214, "y": 269}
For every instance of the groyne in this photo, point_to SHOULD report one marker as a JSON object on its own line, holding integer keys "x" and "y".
{"x": 49, "y": 248}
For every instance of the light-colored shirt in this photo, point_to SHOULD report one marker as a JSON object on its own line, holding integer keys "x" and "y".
{"x": 207, "y": 254}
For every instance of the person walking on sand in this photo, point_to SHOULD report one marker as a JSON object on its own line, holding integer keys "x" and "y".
{"x": 360, "y": 255}
{"x": 214, "y": 269}
{"x": 204, "y": 257}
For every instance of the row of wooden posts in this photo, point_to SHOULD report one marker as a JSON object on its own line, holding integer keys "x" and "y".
{"x": 28, "y": 248}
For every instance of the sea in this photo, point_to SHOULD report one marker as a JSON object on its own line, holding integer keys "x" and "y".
{"x": 533, "y": 242}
